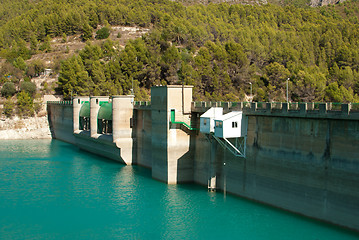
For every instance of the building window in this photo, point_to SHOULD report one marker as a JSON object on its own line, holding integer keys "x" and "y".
{"x": 234, "y": 124}
{"x": 204, "y": 122}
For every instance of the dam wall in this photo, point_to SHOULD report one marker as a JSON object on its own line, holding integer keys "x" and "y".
{"x": 143, "y": 137}
{"x": 60, "y": 115}
{"x": 308, "y": 166}
{"x": 304, "y": 160}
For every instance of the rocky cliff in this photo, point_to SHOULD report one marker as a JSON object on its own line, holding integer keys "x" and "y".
{"x": 30, "y": 128}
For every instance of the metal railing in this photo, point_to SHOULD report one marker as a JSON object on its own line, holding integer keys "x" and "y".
{"x": 60, "y": 102}
{"x": 142, "y": 103}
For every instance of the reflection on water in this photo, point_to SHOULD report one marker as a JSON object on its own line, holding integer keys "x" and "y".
{"x": 52, "y": 190}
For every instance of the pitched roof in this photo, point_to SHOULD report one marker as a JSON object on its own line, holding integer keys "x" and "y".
{"x": 229, "y": 115}
{"x": 213, "y": 112}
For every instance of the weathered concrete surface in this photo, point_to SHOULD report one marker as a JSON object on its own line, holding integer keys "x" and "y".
{"x": 143, "y": 136}
{"x": 122, "y": 115}
{"x": 61, "y": 122}
{"x": 100, "y": 145}
{"x": 94, "y": 108}
{"x": 172, "y": 161}
{"x": 301, "y": 163}
{"x": 160, "y": 125}
{"x": 308, "y": 166}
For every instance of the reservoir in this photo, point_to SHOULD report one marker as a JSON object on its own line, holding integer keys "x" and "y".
{"x": 52, "y": 190}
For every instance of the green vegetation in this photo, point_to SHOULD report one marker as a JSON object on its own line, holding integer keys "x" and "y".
{"x": 8, "y": 107}
{"x": 8, "y": 90}
{"x": 25, "y": 104}
{"x": 103, "y": 33}
{"x": 28, "y": 87}
{"x": 218, "y": 48}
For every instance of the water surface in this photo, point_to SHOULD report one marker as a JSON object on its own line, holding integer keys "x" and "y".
{"x": 51, "y": 190}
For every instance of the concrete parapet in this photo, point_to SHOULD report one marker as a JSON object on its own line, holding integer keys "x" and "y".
{"x": 285, "y": 107}
{"x": 310, "y": 106}
{"x": 253, "y": 106}
{"x": 226, "y": 106}
{"x": 303, "y": 108}
{"x": 268, "y": 107}
{"x": 323, "y": 108}
{"x": 345, "y": 108}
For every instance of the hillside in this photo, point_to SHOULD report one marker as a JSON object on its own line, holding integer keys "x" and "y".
{"x": 221, "y": 49}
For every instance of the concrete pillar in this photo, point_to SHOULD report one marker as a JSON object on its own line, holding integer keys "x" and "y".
{"x": 212, "y": 178}
{"x": 171, "y": 158}
{"x": 303, "y": 108}
{"x": 253, "y": 106}
{"x": 95, "y": 102}
{"x": 346, "y": 108}
{"x": 76, "y": 106}
{"x": 240, "y": 105}
{"x": 329, "y": 106}
{"x": 122, "y": 120}
{"x": 226, "y": 106}
{"x": 285, "y": 107}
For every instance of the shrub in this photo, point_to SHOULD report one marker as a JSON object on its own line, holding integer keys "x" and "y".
{"x": 25, "y": 104}
{"x": 86, "y": 33}
{"x": 8, "y": 89}
{"x": 35, "y": 68}
{"x": 8, "y": 107}
{"x": 64, "y": 38}
{"x": 103, "y": 33}
{"x": 28, "y": 87}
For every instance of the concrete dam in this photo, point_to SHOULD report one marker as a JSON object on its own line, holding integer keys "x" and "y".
{"x": 303, "y": 158}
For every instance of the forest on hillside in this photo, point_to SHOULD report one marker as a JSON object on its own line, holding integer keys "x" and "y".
{"x": 220, "y": 49}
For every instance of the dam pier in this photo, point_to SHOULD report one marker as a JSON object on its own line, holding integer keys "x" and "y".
{"x": 303, "y": 157}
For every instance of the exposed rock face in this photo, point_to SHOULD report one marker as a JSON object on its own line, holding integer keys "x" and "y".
{"x": 317, "y": 3}
{"x": 30, "y": 128}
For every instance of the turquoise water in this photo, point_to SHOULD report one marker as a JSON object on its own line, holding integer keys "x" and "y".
{"x": 52, "y": 190}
